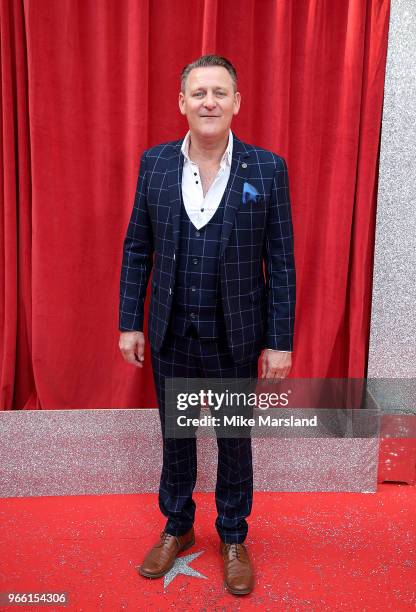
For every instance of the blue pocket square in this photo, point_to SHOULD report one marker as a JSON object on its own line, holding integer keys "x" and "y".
{"x": 250, "y": 193}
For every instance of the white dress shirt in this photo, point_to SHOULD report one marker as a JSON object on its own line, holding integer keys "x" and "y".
{"x": 201, "y": 209}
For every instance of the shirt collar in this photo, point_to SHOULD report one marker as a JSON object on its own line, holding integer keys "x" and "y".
{"x": 226, "y": 158}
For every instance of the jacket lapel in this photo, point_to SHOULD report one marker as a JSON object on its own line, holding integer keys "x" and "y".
{"x": 234, "y": 191}
{"x": 175, "y": 168}
{"x": 232, "y": 196}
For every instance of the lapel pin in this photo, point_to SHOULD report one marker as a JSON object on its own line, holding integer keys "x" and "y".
{"x": 244, "y": 165}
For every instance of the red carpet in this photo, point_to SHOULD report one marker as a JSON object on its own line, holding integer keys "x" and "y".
{"x": 311, "y": 551}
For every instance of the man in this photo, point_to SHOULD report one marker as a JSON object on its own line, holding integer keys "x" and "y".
{"x": 210, "y": 209}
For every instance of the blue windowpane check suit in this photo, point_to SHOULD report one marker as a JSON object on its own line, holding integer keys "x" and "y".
{"x": 212, "y": 309}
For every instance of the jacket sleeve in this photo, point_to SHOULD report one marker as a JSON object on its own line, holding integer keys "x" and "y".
{"x": 280, "y": 264}
{"x": 137, "y": 258}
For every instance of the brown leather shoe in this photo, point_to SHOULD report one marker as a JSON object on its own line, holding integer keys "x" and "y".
{"x": 238, "y": 571}
{"x": 161, "y": 558}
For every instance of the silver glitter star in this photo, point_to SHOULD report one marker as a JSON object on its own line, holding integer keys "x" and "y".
{"x": 182, "y": 567}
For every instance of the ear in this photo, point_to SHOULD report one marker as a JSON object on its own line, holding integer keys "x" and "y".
{"x": 181, "y": 102}
{"x": 237, "y": 102}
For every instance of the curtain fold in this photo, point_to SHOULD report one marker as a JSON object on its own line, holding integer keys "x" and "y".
{"x": 17, "y": 384}
{"x": 87, "y": 86}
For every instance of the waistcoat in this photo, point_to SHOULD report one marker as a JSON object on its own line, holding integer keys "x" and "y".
{"x": 197, "y": 297}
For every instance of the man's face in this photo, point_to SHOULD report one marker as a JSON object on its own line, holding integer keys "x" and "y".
{"x": 209, "y": 101}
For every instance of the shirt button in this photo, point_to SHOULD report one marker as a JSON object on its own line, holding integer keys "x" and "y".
{"x": 193, "y": 288}
{"x": 197, "y": 234}
{"x": 196, "y": 182}
{"x": 202, "y": 210}
{"x": 195, "y": 261}
{"x": 195, "y": 174}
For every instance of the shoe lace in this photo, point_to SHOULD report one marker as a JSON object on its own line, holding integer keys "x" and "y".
{"x": 235, "y": 550}
{"x": 165, "y": 536}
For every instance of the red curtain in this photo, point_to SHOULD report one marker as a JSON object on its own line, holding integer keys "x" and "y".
{"x": 87, "y": 86}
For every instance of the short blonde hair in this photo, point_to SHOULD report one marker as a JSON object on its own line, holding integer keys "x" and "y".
{"x": 209, "y": 60}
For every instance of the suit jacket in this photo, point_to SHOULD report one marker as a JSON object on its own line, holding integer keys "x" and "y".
{"x": 259, "y": 308}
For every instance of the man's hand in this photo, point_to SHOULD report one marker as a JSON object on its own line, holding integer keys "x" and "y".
{"x": 275, "y": 364}
{"x": 131, "y": 345}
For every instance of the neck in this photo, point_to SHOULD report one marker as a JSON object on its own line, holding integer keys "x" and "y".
{"x": 207, "y": 150}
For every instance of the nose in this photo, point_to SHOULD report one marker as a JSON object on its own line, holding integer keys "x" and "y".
{"x": 209, "y": 101}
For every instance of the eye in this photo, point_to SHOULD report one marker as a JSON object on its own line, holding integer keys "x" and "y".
{"x": 198, "y": 94}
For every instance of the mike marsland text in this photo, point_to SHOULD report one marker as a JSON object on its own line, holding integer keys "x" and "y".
{"x": 241, "y": 421}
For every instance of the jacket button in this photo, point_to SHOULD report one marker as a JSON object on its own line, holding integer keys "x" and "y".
{"x": 193, "y": 315}
{"x": 170, "y": 291}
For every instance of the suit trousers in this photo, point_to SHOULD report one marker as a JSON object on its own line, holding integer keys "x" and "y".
{"x": 191, "y": 357}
